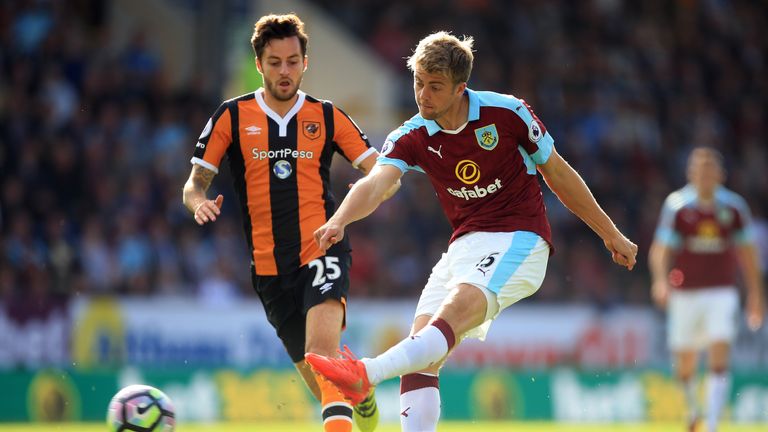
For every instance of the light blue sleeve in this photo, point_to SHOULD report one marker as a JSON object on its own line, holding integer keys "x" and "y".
{"x": 744, "y": 233}
{"x": 540, "y": 143}
{"x": 666, "y": 233}
{"x": 401, "y": 165}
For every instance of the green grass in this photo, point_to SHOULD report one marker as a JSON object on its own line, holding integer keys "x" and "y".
{"x": 444, "y": 427}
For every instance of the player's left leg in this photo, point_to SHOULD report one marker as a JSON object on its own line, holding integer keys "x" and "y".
{"x": 309, "y": 378}
{"x": 723, "y": 306}
{"x": 718, "y": 382}
{"x": 420, "y": 392}
{"x": 323, "y": 335}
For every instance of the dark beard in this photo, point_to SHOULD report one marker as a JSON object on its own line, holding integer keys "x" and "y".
{"x": 272, "y": 92}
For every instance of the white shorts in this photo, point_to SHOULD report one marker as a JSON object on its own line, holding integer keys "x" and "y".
{"x": 697, "y": 318}
{"x": 506, "y": 266}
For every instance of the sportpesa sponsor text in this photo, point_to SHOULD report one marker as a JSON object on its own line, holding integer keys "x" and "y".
{"x": 281, "y": 153}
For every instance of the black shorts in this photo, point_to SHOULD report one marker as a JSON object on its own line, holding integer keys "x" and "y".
{"x": 287, "y": 298}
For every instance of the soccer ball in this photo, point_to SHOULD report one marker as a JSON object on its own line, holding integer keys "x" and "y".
{"x": 140, "y": 408}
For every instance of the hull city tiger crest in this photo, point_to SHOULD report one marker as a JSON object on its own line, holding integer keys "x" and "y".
{"x": 311, "y": 129}
{"x": 487, "y": 137}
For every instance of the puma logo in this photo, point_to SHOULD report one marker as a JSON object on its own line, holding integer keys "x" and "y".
{"x": 437, "y": 152}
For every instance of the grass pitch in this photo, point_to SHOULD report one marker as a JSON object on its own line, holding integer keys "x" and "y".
{"x": 389, "y": 427}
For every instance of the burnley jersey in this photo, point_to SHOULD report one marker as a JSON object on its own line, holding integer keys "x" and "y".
{"x": 280, "y": 169}
{"x": 703, "y": 237}
{"x": 484, "y": 173}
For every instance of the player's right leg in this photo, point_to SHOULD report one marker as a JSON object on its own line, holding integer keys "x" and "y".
{"x": 685, "y": 338}
{"x": 486, "y": 272}
{"x": 685, "y": 370}
{"x": 511, "y": 266}
{"x": 356, "y": 377}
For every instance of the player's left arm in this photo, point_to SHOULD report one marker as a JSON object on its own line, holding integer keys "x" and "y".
{"x": 746, "y": 251}
{"x": 570, "y": 188}
{"x": 753, "y": 279}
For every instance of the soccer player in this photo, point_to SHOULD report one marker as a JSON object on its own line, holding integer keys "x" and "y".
{"x": 703, "y": 231}
{"x": 482, "y": 152}
{"x": 280, "y": 142}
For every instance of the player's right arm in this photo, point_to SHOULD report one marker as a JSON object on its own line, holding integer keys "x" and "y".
{"x": 659, "y": 261}
{"x": 211, "y": 145}
{"x": 364, "y": 197}
{"x": 663, "y": 249}
{"x": 194, "y": 195}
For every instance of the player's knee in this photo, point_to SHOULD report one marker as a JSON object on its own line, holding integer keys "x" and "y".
{"x": 684, "y": 374}
{"x": 683, "y": 371}
{"x": 465, "y": 309}
{"x": 433, "y": 369}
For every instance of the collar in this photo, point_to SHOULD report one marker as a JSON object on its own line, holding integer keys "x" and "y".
{"x": 472, "y": 115}
{"x": 281, "y": 121}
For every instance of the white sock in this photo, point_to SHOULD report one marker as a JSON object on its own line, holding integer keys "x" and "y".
{"x": 718, "y": 386}
{"x": 413, "y": 353}
{"x": 689, "y": 390}
{"x": 419, "y": 403}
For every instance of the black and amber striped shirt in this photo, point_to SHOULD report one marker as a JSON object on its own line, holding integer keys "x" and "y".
{"x": 280, "y": 167}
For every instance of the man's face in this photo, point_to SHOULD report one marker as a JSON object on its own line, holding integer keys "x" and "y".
{"x": 704, "y": 170}
{"x": 282, "y": 67}
{"x": 435, "y": 93}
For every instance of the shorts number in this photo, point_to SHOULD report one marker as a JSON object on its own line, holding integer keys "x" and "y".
{"x": 329, "y": 270}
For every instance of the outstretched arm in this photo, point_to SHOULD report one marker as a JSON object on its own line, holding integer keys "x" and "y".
{"x": 366, "y": 166}
{"x": 570, "y": 188}
{"x": 364, "y": 197}
{"x": 753, "y": 279}
{"x": 194, "y": 198}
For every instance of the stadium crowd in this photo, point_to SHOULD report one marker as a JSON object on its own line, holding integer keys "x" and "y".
{"x": 94, "y": 147}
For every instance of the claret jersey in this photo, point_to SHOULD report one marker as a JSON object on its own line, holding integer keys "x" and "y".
{"x": 484, "y": 173}
{"x": 280, "y": 168}
{"x": 703, "y": 237}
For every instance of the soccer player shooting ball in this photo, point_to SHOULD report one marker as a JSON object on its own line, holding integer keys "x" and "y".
{"x": 482, "y": 152}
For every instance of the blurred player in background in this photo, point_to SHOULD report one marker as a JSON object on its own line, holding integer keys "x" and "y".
{"x": 280, "y": 142}
{"x": 482, "y": 152}
{"x": 703, "y": 231}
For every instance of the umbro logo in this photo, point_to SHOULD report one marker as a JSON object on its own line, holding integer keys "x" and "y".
{"x": 253, "y": 130}
{"x": 326, "y": 287}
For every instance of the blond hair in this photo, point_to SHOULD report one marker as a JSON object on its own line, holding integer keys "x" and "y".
{"x": 444, "y": 53}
